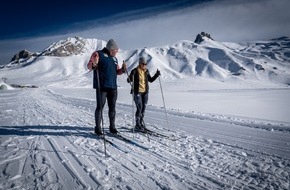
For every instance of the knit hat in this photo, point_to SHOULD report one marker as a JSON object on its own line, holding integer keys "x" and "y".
{"x": 142, "y": 60}
{"x": 112, "y": 45}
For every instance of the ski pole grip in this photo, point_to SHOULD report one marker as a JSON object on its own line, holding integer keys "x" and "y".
{"x": 125, "y": 68}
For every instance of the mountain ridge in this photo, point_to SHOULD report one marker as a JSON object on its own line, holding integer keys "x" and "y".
{"x": 222, "y": 61}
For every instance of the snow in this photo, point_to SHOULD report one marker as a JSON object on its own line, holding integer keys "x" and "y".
{"x": 4, "y": 86}
{"x": 226, "y": 131}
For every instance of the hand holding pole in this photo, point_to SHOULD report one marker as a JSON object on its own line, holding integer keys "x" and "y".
{"x": 96, "y": 60}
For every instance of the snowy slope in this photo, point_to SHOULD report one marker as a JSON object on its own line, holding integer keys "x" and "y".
{"x": 228, "y": 121}
{"x": 63, "y": 61}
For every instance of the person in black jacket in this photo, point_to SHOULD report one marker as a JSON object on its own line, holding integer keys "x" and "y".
{"x": 105, "y": 66}
{"x": 140, "y": 88}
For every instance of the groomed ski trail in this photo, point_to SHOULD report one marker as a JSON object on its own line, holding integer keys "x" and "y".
{"x": 45, "y": 144}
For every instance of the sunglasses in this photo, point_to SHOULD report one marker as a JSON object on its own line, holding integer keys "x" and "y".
{"x": 144, "y": 63}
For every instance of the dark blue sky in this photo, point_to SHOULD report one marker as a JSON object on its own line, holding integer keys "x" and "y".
{"x": 30, "y": 18}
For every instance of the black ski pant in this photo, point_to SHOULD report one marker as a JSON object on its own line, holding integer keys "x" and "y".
{"x": 111, "y": 96}
{"x": 141, "y": 100}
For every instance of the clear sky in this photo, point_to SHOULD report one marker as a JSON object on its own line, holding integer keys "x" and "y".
{"x": 34, "y": 25}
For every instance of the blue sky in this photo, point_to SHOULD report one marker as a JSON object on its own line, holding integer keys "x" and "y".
{"x": 31, "y": 18}
{"x": 34, "y": 25}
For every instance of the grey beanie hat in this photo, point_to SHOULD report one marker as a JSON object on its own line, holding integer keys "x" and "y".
{"x": 112, "y": 45}
{"x": 142, "y": 60}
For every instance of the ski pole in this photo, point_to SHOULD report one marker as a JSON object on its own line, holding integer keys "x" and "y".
{"x": 132, "y": 87}
{"x": 163, "y": 101}
{"x": 132, "y": 103}
{"x": 165, "y": 109}
{"x": 101, "y": 107}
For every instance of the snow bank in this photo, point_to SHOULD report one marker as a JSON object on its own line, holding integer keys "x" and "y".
{"x": 4, "y": 86}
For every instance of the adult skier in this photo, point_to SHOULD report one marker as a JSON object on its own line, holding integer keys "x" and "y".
{"x": 105, "y": 66}
{"x": 140, "y": 89}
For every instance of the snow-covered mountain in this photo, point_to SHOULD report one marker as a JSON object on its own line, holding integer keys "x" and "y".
{"x": 267, "y": 61}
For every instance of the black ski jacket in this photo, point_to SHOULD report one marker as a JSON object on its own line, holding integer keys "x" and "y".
{"x": 134, "y": 77}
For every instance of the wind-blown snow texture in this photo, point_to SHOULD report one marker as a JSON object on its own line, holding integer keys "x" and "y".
{"x": 45, "y": 132}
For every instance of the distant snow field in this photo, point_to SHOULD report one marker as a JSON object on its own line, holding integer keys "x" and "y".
{"x": 228, "y": 123}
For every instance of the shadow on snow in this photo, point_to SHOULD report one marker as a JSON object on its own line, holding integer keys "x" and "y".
{"x": 45, "y": 130}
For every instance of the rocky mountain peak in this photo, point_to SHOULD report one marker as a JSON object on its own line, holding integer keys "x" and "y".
{"x": 69, "y": 46}
{"x": 23, "y": 54}
{"x": 200, "y": 37}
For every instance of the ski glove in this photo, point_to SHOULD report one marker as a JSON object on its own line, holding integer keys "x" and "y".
{"x": 158, "y": 73}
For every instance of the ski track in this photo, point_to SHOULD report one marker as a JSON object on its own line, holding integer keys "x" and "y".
{"x": 50, "y": 144}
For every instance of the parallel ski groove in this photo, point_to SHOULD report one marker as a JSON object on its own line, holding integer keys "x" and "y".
{"x": 127, "y": 140}
{"x": 110, "y": 142}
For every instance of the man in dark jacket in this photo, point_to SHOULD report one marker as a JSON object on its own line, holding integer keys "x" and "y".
{"x": 140, "y": 88}
{"x": 105, "y": 66}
